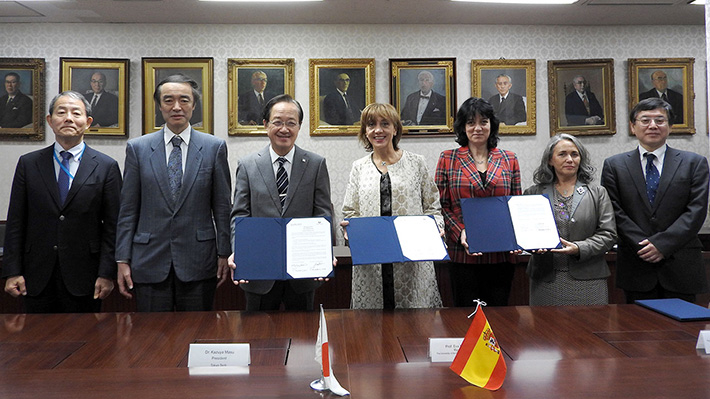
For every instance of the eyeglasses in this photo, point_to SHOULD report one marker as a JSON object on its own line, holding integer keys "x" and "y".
{"x": 647, "y": 121}
{"x": 96, "y": 81}
{"x": 279, "y": 124}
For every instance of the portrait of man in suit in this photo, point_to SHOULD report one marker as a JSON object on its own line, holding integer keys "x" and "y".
{"x": 660, "y": 199}
{"x": 61, "y": 225}
{"x": 509, "y": 107}
{"x": 281, "y": 180}
{"x": 15, "y": 106}
{"x": 424, "y": 106}
{"x": 251, "y": 102}
{"x": 172, "y": 238}
{"x": 581, "y": 105}
{"x": 104, "y": 105}
{"x": 660, "y": 89}
{"x": 339, "y": 108}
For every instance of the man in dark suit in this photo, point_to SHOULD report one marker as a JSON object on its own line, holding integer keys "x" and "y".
{"x": 661, "y": 90}
{"x": 104, "y": 105}
{"x": 581, "y": 105}
{"x": 15, "y": 106}
{"x": 251, "y": 103}
{"x": 173, "y": 226}
{"x": 338, "y": 107}
{"x": 509, "y": 107}
{"x": 660, "y": 198}
{"x": 424, "y": 107}
{"x": 256, "y": 194}
{"x": 61, "y": 223}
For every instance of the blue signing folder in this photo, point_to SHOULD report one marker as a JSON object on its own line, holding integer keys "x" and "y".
{"x": 375, "y": 240}
{"x": 260, "y": 248}
{"x": 676, "y": 308}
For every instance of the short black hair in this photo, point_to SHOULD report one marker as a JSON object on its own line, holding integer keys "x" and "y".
{"x": 468, "y": 111}
{"x": 178, "y": 78}
{"x": 650, "y": 104}
{"x": 283, "y": 98}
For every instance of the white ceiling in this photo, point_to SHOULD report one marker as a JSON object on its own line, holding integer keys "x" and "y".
{"x": 585, "y": 12}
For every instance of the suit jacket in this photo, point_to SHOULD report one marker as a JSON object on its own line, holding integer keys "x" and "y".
{"x": 592, "y": 228}
{"x": 675, "y": 99}
{"x": 249, "y": 107}
{"x": 434, "y": 114}
{"x": 154, "y": 233}
{"x": 671, "y": 223}
{"x": 17, "y": 113}
{"x": 105, "y": 113}
{"x": 256, "y": 195}
{"x": 512, "y": 111}
{"x": 79, "y": 235}
{"x": 335, "y": 112}
{"x": 576, "y": 112}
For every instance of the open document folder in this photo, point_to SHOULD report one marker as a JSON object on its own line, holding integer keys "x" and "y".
{"x": 508, "y": 223}
{"x": 281, "y": 249}
{"x": 392, "y": 239}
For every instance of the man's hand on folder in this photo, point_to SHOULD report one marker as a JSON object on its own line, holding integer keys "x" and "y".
{"x": 233, "y": 266}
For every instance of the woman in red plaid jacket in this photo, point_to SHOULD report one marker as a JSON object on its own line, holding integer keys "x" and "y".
{"x": 477, "y": 169}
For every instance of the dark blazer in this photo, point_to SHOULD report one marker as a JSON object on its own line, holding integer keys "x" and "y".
{"x": 78, "y": 235}
{"x": 105, "y": 113}
{"x": 154, "y": 233}
{"x": 249, "y": 107}
{"x": 512, "y": 111}
{"x": 335, "y": 112}
{"x": 434, "y": 114}
{"x": 256, "y": 195}
{"x": 671, "y": 223}
{"x": 576, "y": 112}
{"x": 675, "y": 99}
{"x": 592, "y": 228}
{"x": 17, "y": 113}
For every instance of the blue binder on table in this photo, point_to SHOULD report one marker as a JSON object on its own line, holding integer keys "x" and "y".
{"x": 676, "y": 308}
{"x": 375, "y": 240}
{"x": 260, "y": 248}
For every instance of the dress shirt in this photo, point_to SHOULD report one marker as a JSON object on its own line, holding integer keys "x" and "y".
{"x": 185, "y": 135}
{"x": 287, "y": 164}
{"x": 423, "y": 102}
{"x": 660, "y": 154}
{"x": 501, "y": 97}
{"x": 77, "y": 152}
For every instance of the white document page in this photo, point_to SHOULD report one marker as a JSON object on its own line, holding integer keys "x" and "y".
{"x": 533, "y": 222}
{"x": 309, "y": 250}
{"x": 419, "y": 238}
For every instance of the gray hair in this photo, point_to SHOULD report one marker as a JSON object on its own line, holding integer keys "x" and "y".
{"x": 545, "y": 173}
{"x": 71, "y": 94}
{"x": 502, "y": 75}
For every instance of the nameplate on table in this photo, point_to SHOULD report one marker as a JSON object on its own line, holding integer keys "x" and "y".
{"x": 704, "y": 341}
{"x": 443, "y": 349}
{"x": 218, "y": 355}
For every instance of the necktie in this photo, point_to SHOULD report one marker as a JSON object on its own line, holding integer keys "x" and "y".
{"x": 175, "y": 168}
{"x": 586, "y": 102}
{"x": 63, "y": 180}
{"x": 282, "y": 180}
{"x": 652, "y": 177}
{"x": 502, "y": 100}
{"x": 94, "y": 100}
{"x": 261, "y": 99}
{"x": 664, "y": 97}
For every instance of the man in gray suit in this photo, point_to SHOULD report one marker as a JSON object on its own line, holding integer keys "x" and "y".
{"x": 257, "y": 194}
{"x": 173, "y": 222}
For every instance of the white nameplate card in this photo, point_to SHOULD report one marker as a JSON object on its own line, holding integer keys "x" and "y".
{"x": 704, "y": 341}
{"x": 218, "y": 355}
{"x": 443, "y": 349}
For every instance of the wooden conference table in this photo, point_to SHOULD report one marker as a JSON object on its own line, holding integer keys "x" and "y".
{"x": 615, "y": 351}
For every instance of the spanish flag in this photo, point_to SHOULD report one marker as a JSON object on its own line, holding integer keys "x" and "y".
{"x": 479, "y": 359}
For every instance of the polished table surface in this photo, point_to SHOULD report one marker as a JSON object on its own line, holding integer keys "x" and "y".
{"x": 614, "y": 351}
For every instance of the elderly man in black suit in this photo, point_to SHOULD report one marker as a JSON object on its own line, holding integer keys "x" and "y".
{"x": 661, "y": 90}
{"x": 104, "y": 105}
{"x": 660, "y": 199}
{"x": 61, "y": 224}
{"x": 338, "y": 107}
{"x": 509, "y": 107}
{"x": 251, "y": 102}
{"x": 425, "y": 106}
{"x": 581, "y": 105}
{"x": 15, "y": 106}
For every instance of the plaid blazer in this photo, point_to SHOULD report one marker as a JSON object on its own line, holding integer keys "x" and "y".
{"x": 457, "y": 177}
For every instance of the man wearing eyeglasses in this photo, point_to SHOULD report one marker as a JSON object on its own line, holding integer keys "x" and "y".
{"x": 339, "y": 108}
{"x": 581, "y": 105}
{"x": 251, "y": 102}
{"x": 281, "y": 181}
{"x": 104, "y": 105}
{"x": 660, "y": 198}
{"x": 660, "y": 89}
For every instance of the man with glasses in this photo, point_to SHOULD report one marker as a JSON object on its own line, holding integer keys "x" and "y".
{"x": 251, "y": 102}
{"x": 104, "y": 105}
{"x": 281, "y": 181}
{"x": 581, "y": 106}
{"x": 339, "y": 107}
{"x": 660, "y": 198}
{"x": 15, "y": 106}
{"x": 660, "y": 89}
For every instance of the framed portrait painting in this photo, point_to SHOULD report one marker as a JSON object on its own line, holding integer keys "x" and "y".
{"x": 22, "y": 107}
{"x": 339, "y": 90}
{"x": 509, "y": 85}
{"x": 670, "y": 79}
{"x": 252, "y": 83}
{"x": 581, "y": 95}
{"x": 104, "y": 84}
{"x": 199, "y": 69}
{"x": 423, "y": 90}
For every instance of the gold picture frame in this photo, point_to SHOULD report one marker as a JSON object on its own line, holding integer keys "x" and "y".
{"x": 568, "y": 112}
{"x": 331, "y": 112}
{"x": 24, "y": 119}
{"x": 517, "y": 112}
{"x": 157, "y": 69}
{"x": 111, "y": 110}
{"x": 245, "y": 76}
{"x": 674, "y": 77}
